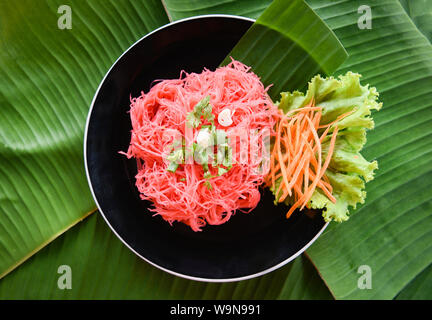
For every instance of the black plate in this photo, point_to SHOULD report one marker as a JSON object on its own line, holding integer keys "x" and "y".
{"x": 249, "y": 244}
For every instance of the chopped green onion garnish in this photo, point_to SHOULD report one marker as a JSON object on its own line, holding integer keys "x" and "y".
{"x": 172, "y": 167}
{"x": 202, "y": 108}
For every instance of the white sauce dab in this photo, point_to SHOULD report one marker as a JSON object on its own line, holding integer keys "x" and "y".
{"x": 224, "y": 118}
{"x": 204, "y": 138}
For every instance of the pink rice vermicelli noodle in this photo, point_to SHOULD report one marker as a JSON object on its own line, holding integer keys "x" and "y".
{"x": 183, "y": 195}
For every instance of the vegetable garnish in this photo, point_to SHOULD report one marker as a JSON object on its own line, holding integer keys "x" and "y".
{"x": 296, "y": 161}
{"x": 202, "y": 108}
{"x": 316, "y": 161}
{"x": 208, "y": 137}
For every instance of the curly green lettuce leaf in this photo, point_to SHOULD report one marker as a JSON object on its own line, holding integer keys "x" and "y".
{"x": 348, "y": 170}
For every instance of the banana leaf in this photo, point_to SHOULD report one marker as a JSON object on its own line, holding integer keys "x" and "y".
{"x": 420, "y": 288}
{"x": 48, "y": 79}
{"x": 287, "y": 45}
{"x": 179, "y": 9}
{"x": 393, "y": 232}
{"x": 420, "y": 12}
{"x": 103, "y": 268}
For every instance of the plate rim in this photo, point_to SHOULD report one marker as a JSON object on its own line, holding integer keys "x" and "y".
{"x": 178, "y": 274}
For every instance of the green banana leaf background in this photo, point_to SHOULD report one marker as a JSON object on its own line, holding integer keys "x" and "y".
{"x": 48, "y": 77}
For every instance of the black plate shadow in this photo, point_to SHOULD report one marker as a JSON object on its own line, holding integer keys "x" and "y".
{"x": 248, "y": 245}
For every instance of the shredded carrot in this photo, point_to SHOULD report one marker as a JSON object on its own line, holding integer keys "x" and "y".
{"x": 296, "y": 160}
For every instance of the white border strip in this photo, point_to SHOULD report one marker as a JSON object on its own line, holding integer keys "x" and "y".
{"x": 100, "y": 210}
